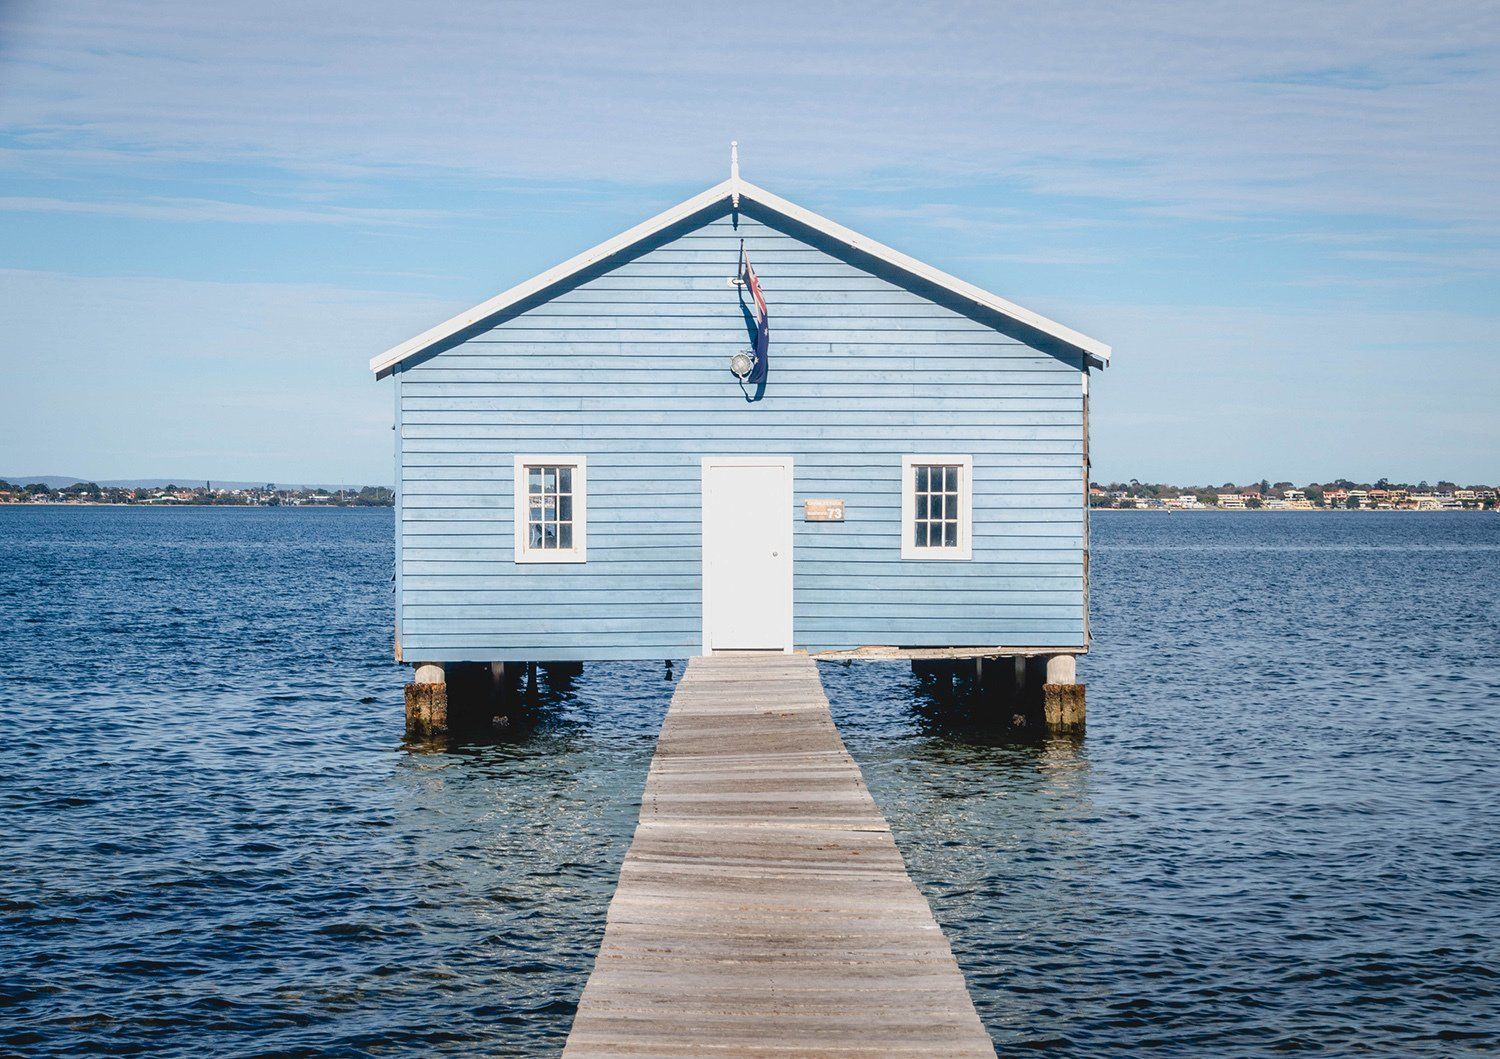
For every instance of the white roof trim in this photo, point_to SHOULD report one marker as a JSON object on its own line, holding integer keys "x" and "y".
{"x": 1095, "y": 350}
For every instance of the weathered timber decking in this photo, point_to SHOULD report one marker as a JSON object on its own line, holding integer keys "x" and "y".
{"x": 763, "y": 908}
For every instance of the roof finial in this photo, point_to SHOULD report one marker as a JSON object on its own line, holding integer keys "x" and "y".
{"x": 734, "y": 173}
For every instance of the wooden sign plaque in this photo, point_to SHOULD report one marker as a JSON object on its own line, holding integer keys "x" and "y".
{"x": 824, "y": 510}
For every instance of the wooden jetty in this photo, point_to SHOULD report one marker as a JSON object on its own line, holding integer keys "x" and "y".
{"x": 763, "y": 908}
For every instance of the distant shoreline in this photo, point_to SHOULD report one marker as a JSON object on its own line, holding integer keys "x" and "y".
{"x": 1092, "y": 510}
{"x": 205, "y": 507}
{"x": 1206, "y": 510}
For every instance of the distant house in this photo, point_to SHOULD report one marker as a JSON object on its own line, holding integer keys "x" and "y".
{"x": 1232, "y": 501}
{"x": 605, "y": 462}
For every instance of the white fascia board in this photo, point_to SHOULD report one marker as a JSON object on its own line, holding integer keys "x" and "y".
{"x": 1095, "y": 349}
{"x": 500, "y": 302}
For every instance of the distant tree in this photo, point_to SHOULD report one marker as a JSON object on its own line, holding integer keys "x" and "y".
{"x": 1265, "y": 487}
{"x": 1352, "y": 503}
{"x": 36, "y": 489}
{"x": 1314, "y": 493}
{"x": 1253, "y": 502}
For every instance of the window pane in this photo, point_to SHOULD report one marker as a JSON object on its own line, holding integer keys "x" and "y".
{"x": 919, "y": 534}
{"x": 951, "y": 483}
{"x": 922, "y": 505}
{"x": 546, "y": 513}
{"x": 938, "y": 506}
{"x": 950, "y": 534}
{"x": 921, "y": 479}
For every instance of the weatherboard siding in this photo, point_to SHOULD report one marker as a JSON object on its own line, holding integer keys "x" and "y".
{"x": 628, "y": 366}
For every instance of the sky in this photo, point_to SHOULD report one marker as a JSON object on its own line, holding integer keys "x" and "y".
{"x": 1285, "y": 217}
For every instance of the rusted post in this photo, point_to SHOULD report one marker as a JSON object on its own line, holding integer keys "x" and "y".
{"x": 427, "y": 701}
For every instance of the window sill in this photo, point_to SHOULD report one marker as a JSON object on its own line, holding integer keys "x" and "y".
{"x": 947, "y": 555}
{"x": 530, "y": 558}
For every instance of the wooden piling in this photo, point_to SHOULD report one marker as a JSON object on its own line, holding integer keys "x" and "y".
{"x": 763, "y": 907}
{"x": 427, "y": 701}
{"x": 1062, "y": 696}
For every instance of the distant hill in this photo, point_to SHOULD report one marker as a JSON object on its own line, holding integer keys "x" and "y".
{"x": 62, "y": 481}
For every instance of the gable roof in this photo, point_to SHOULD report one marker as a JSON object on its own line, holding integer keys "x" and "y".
{"x": 735, "y": 189}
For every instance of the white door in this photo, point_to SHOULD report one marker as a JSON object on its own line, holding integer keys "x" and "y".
{"x": 747, "y": 553}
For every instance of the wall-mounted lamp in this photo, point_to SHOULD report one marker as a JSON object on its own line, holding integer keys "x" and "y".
{"x": 742, "y": 364}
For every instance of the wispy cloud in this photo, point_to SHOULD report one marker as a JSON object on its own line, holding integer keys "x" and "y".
{"x": 192, "y": 210}
{"x": 1212, "y": 107}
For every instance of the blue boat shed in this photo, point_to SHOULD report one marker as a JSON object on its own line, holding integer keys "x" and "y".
{"x": 585, "y": 471}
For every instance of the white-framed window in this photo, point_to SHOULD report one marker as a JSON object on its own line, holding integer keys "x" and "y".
{"x": 551, "y": 506}
{"x": 937, "y": 516}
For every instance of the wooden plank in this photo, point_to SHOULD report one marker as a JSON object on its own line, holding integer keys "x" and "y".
{"x": 763, "y": 907}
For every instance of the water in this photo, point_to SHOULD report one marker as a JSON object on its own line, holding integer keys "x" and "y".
{"x": 1279, "y": 836}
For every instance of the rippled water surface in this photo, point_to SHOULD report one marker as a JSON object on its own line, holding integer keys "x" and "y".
{"x": 1280, "y": 834}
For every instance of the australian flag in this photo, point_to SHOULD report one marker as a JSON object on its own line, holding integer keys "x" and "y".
{"x": 762, "y": 318}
